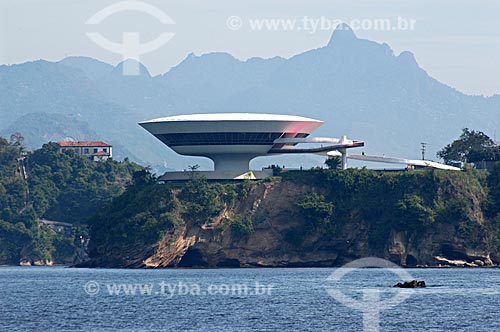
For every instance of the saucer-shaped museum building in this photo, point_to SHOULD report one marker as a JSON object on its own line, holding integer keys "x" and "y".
{"x": 231, "y": 140}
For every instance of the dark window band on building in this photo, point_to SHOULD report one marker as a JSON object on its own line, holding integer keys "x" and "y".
{"x": 221, "y": 138}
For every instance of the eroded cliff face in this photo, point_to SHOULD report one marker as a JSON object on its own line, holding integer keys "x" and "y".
{"x": 280, "y": 237}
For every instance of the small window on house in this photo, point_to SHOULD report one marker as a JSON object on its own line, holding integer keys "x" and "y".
{"x": 86, "y": 150}
{"x": 95, "y": 150}
{"x": 105, "y": 150}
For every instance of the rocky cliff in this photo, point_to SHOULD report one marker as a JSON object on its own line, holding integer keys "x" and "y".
{"x": 314, "y": 218}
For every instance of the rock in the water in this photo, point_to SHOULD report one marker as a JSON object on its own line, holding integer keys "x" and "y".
{"x": 411, "y": 284}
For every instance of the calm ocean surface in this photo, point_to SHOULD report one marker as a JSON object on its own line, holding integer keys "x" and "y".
{"x": 64, "y": 299}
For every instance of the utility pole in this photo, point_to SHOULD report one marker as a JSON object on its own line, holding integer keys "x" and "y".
{"x": 424, "y": 146}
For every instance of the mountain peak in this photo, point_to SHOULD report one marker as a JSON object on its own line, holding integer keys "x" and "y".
{"x": 407, "y": 57}
{"x": 93, "y": 68}
{"x": 343, "y": 32}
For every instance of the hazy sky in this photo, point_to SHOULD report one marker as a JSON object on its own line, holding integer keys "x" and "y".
{"x": 456, "y": 41}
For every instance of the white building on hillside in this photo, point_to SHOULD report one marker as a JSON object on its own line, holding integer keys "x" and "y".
{"x": 94, "y": 150}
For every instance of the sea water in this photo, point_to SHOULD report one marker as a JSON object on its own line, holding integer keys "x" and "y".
{"x": 299, "y": 299}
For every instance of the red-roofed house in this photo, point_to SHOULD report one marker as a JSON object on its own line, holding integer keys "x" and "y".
{"x": 94, "y": 150}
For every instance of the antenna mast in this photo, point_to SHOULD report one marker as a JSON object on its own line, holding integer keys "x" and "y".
{"x": 424, "y": 147}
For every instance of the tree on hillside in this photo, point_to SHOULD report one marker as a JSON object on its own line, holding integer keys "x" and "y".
{"x": 334, "y": 162}
{"x": 316, "y": 209}
{"x": 472, "y": 146}
{"x": 494, "y": 191}
{"x": 17, "y": 139}
{"x": 60, "y": 186}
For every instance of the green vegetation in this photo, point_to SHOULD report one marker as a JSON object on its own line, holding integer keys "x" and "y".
{"x": 333, "y": 162}
{"x": 140, "y": 215}
{"x": 410, "y": 201}
{"x": 70, "y": 188}
{"x": 493, "y": 181}
{"x": 316, "y": 209}
{"x": 493, "y": 208}
{"x": 329, "y": 201}
{"x": 414, "y": 212}
{"x": 203, "y": 200}
{"x": 472, "y": 146}
{"x": 50, "y": 185}
{"x": 147, "y": 210}
{"x": 241, "y": 227}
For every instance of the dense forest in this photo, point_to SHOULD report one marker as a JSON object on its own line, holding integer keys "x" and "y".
{"x": 407, "y": 216}
{"x": 148, "y": 210}
{"x": 311, "y": 209}
{"x": 48, "y": 185}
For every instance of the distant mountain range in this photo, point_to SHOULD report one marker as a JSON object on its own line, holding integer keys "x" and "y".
{"x": 360, "y": 88}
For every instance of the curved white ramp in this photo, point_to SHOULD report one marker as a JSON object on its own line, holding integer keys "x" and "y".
{"x": 402, "y": 161}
